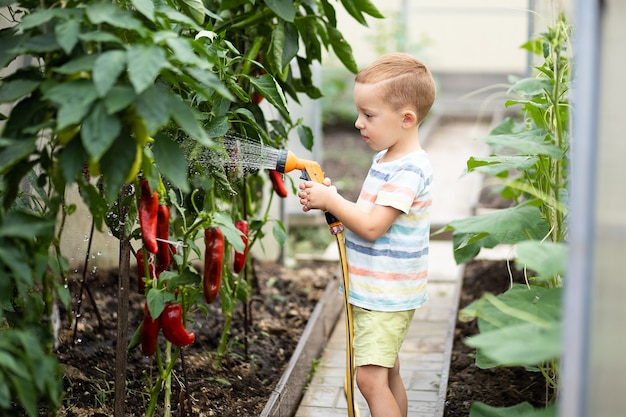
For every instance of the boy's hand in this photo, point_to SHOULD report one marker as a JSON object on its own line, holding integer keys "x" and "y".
{"x": 314, "y": 195}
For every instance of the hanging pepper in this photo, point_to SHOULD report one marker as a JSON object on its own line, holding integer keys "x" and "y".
{"x": 148, "y": 213}
{"x": 173, "y": 328}
{"x": 240, "y": 257}
{"x": 149, "y": 331}
{"x": 213, "y": 256}
{"x": 163, "y": 234}
{"x": 141, "y": 272}
{"x": 278, "y": 183}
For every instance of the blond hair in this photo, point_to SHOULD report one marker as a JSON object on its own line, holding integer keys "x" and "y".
{"x": 406, "y": 82}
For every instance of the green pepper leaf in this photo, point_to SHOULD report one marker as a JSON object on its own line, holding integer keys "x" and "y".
{"x": 99, "y": 131}
{"x": 342, "y": 49}
{"x": 107, "y": 68}
{"x": 144, "y": 65}
{"x": 285, "y": 9}
{"x": 171, "y": 162}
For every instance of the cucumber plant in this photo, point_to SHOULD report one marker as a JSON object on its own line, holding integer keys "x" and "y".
{"x": 522, "y": 326}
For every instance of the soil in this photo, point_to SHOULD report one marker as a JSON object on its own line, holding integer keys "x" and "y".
{"x": 281, "y": 306}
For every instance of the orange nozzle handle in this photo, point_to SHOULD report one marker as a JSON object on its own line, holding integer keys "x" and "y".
{"x": 311, "y": 170}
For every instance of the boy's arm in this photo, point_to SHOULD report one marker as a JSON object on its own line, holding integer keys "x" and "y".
{"x": 368, "y": 225}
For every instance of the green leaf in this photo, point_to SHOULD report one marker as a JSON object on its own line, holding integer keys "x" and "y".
{"x": 80, "y": 64}
{"x": 23, "y": 225}
{"x": 495, "y": 165}
{"x": 519, "y": 327}
{"x": 13, "y": 259}
{"x": 182, "y": 50}
{"x": 547, "y": 259}
{"x": 218, "y": 126}
{"x": 266, "y": 85}
{"x": 290, "y": 43}
{"x": 531, "y": 86}
{"x": 74, "y": 99}
{"x": 187, "y": 277}
{"x": 185, "y": 116}
{"x": 285, "y": 9}
{"x": 67, "y": 34}
{"x": 116, "y": 164}
{"x": 342, "y": 49}
{"x": 14, "y": 90}
{"x": 368, "y": 7}
{"x": 16, "y": 152}
{"x": 144, "y": 65}
{"x": 151, "y": 106}
{"x": 8, "y": 363}
{"x": 195, "y": 9}
{"x": 519, "y": 345}
{"x": 210, "y": 80}
{"x": 10, "y": 41}
{"x": 306, "y": 136}
{"x": 508, "y": 226}
{"x": 26, "y": 394}
{"x": 156, "y": 301}
{"x": 107, "y": 68}
{"x": 279, "y": 232}
{"x": 99, "y": 131}
{"x": 354, "y": 11}
{"x": 275, "y": 51}
{"x": 119, "y": 97}
{"x": 531, "y": 142}
{"x": 96, "y": 203}
{"x": 145, "y": 7}
{"x": 525, "y": 409}
{"x": 171, "y": 162}
{"x": 231, "y": 234}
{"x": 105, "y": 12}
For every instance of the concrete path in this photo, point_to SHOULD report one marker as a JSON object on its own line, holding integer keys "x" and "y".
{"x": 425, "y": 355}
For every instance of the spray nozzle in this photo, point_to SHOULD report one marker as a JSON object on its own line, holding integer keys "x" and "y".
{"x": 287, "y": 162}
{"x": 311, "y": 171}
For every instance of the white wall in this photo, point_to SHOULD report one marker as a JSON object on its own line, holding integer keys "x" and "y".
{"x": 449, "y": 35}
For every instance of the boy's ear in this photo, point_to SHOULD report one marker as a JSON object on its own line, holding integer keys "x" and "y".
{"x": 409, "y": 117}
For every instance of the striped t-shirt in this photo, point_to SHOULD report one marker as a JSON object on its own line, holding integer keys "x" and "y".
{"x": 389, "y": 273}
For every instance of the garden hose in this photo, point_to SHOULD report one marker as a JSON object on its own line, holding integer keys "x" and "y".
{"x": 311, "y": 171}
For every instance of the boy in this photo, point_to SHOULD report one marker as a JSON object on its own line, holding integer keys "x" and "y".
{"x": 388, "y": 226}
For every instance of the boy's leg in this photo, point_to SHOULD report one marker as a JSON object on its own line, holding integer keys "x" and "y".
{"x": 396, "y": 385}
{"x": 373, "y": 382}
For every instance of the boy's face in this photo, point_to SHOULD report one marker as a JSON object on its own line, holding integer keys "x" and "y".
{"x": 380, "y": 125}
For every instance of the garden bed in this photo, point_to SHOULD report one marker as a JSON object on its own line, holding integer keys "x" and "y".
{"x": 497, "y": 387}
{"x": 283, "y": 301}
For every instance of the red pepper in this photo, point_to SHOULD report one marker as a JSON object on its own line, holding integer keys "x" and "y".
{"x": 163, "y": 234}
{"x": 173, "y": 328}
{"x": 141, "y": 272}
{"x": 148, "y": 213}
{"x": 277, "y": 183}
{"x": 213, "y": 257}
{"x": 149, "y": 331}
{"x": 240, "y": 257}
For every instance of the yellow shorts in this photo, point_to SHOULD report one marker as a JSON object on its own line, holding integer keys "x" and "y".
{"x": 378, "y": 335}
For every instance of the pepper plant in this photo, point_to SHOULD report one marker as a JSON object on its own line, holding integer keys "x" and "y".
{"x": 521, "y": 327}
{"x": 113, "y": 93}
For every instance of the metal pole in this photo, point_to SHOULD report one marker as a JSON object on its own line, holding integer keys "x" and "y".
{"x": 578, "y": 289}
{"x": 531, "y": 35}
